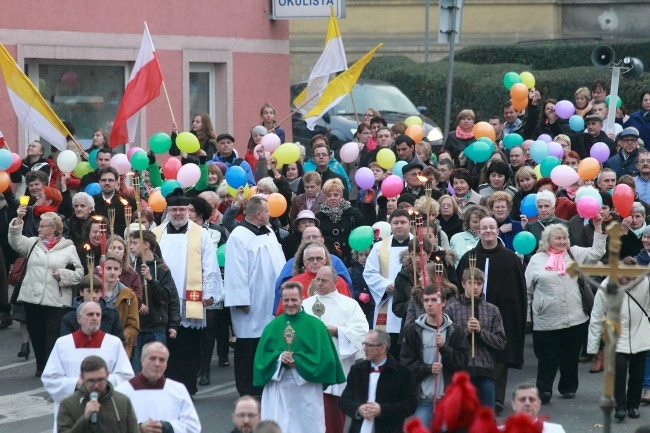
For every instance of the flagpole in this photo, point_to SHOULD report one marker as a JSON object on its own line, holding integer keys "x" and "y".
{"x": 298, "y": 109}
{"x": 354, "y": 107}
{"x": 169, "y": 104}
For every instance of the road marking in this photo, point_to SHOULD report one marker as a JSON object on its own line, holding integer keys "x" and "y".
{"x": 216, "y": 390}
{"x": 24, "y": 405}
{"x": 17, "y": 364}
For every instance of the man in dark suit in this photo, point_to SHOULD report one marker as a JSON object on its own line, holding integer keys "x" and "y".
{"x": 110, "y": 197}
{"x": 380, "y": 392}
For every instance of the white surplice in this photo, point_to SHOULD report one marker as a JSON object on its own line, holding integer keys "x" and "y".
{"x": 253, "y": 264}
{"x": 346, "y": 314}
{"x": 63, "y": 367}
{"x": 292, "y": 402}
{"x": 377, "y": 283}
{"x": 172, "y": 404}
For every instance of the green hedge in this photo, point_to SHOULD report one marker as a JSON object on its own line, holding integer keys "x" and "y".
{"x": 480, "y": 86}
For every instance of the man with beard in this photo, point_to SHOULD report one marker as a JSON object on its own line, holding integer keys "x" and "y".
{"x": 642, "y": 181}
{"x": 505, "y": 287}
{"x": 61, "y": 374}
{"x": 188, "y": 251}
{"x": 161, "y": 404}
{"x": 109, "y": 181}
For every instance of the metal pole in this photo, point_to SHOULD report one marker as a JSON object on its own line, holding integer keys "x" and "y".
{"x": 426, "y": 31}
{"x": 450, "y": 73}
{"x": 613, "y": 97}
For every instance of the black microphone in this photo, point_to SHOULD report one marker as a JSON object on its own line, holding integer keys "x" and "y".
{"x": 93, "y": 416}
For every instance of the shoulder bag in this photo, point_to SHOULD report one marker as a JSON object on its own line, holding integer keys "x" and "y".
{"x": 17, "y": 273}
{"x": 585, "y": 290}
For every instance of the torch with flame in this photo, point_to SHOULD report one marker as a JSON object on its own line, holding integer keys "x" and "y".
{"x": 472, "y": 267}
{"x": 427, "y": 192}
{"x": 128, "y": 215}
{"x": 102, "y": 244}
{"x": 136, "y": 190}
{"x": 111, "y": 217}
{"x": 90, "y": 263}
{"x": 437, "y": 276}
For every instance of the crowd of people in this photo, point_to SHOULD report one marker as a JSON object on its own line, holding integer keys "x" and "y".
{"x": 116, "y": 299}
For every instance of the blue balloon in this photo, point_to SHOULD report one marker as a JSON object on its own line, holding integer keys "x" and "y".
{"x": 528, "y": 206}
{"x": 92, "y": 158}
{"x": 235, "y": 176}
{"x": 397, "y": 168}
{"x": 5, "y": 159}
{"x": 93, "y": 188}
{"x": 168, "y": 186}
{"x": 539, "y": 151}
{"x": 577, "y": 123}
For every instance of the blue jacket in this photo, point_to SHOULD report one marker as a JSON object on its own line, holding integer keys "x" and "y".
{"x": 642, "y": 123}
{"x": 509, "y": 237}
{"x": 334, "y": 165}
{"x": 643, "y": 258}
{"x": 622, "y": 166}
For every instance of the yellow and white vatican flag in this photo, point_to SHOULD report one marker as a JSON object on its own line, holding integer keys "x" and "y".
{"x": 338, "y": 88}
{"x": 331, "y": 61}
{"x": 33, "y": 112}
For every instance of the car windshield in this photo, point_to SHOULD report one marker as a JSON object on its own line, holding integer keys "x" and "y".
{"x": 385, "y": 99}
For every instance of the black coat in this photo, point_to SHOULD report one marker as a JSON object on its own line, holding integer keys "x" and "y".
{"x": 339, "y": 232}
{"x": 101, "y": 208}
{"x": 397, "y": 395}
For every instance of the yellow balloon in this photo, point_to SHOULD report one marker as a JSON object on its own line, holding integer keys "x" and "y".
{"x": 413, "y": 120}
{"x": 187, "y": 142}
{"x": 538, "y": 171}
{"x": 528, "y": 79}
{"x": 386, "y": 158}
{"x": 286, "y": 153}
{"x": 233, "y": 192}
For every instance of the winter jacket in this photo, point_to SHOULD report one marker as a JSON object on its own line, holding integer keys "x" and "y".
{"x": 116, "y": 414}
{"x": 110, "y": 323}
{"x": 454, "y": 355}
{"x": 641, "y": 121}
{"x": 461, "y": 243}
{"x": 555, "y": 299}
{"x": 635, "y": 327}
{"x": 126, "y": 305}
{"x": 622, "y": 164}
{"x": 39, "y": 286}
{"x": 164, "y": 306}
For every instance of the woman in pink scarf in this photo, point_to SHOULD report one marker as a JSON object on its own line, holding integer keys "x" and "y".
{"x": 462, "y": 136}
{"x": 559, "y": 321}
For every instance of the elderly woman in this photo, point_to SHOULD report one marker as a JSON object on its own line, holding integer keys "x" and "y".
{"x": 449, "y": 216}
{"x": 52, "y": 270}
{"x": 84, "y": 207}
{"x": 464, "y": 241}
{"x": 338, "y": 218}
{"x": 500, "y": 205}
{"x": 462, "y": 136}
{"x": 526, "y": 183}
{"x": 558, "y": 315}
{"x": 464, "y": 195}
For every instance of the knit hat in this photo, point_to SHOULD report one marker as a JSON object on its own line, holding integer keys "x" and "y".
{"x": 259, "y": 129}
{"x": 176, "y": 198}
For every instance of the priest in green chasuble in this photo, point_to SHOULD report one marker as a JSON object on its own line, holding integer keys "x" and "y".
{"x": 295, "y": 360}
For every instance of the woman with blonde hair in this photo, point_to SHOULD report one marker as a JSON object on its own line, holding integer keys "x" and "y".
{"x": 583, "y": 101}
{"x": 462, "y": 136}
{"x": 129, "y": 276}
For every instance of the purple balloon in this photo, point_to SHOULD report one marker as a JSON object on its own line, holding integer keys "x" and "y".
{"x": 600, "y": 151}
{"x": 545, "y": 137}
{"x": 223, "y": 167}
{"x": 564, "y": 109}
{"x": 556, "y": 150}
{"x": 365, "y": 178}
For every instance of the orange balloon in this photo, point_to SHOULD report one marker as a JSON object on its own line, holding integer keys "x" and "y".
{"x": 4, "y": 181}
{"x": 277, "y": 204}
{"x": 415, "y": 132}
{"x": 519, "y": 91}
{"x": 484, "y": 129}
{"x": 157, "y": 201}
{"x": 520, "y": 104}
{"x": 588, "y": 168}
{"x": 252, "y": 191}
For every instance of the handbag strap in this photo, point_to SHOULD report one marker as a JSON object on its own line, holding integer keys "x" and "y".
{"x": 637, "y": 303}
{"x": 580, "y": 279}
{"x": 27, "y": 259}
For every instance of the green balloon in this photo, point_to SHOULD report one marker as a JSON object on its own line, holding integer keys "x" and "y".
{"x": 221, "y": 255}
{"x": 512, "y": 140}
{"x": 82, "y": 169}
{"x": 510, "y": 79}
{"x": 92, "y": 158}
{"x": 168, "y": 186}
{"x": 524, "y": 243}
{"x": 486, "y": 140}
{"x": 139, "y": 161}
{"x": 160, "y": 142}
{"x": 548, "y": 164}
{"x": 361, "y": 238}
{"x": 479, "y": 151}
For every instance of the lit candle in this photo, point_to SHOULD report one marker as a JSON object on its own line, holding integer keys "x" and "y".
{"x": 24, "y": 200}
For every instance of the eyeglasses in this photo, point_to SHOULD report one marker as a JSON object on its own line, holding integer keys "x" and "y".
{"x": 367, "y": 115}
{"x": 176, "y": 209}
{"x": 311, "y": 237}
{"x": 96, "y": 381}
{"x": 313, "y": 259}
{"x": 321, "y": 155}
{"x": 370, "y": 344}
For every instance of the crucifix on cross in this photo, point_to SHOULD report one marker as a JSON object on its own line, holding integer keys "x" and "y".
{"x": 612, "y": 323}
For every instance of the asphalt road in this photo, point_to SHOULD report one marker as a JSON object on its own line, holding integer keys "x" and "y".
{"x": 25, "y": 407}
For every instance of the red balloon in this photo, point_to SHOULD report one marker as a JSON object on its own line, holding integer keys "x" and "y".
{"x": 16, "y": 163}
{"x": 623, "y": 198}
{"x": 171, "y": 167}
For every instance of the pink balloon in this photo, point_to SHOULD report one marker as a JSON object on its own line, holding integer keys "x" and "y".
{"x": 132, "y": 150}
{"x": 564, "y": 109}
{"x": 365, "y": 178}
{"x": 349, "y": 152}
{"x": 545, "y": 137}
{"x": 556, "y": 150}
{"x": 564, "y": 176}
{"x": 270, "y": 142}
{"x": 392, "y": 186}
{"x": 588, "y": 207}
{"x": 267, "y": 155}
{"x": 600, "y": 151}
{"x": 188, "y": 175}
{"x": 120, "y": 162}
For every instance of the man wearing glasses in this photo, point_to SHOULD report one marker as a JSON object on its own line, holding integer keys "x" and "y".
{"x": 61, "y": 374}
{"x": 95, "y": 405}
{"x": 380, "y": 392}
{"x": 642, "y": 181}
{"x": 625, "y": 161}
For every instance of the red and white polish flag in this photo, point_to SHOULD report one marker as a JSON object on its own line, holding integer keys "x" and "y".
{"x": 143, "y": 87}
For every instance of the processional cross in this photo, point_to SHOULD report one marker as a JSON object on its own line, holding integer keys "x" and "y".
{"x": 612, "y": 321}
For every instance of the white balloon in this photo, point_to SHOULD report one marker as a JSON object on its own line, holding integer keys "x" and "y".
{"x": 188, "y": 175}
{"x": 349, "y": 152}
{"x": 384, "y": 229}
{"x": 67, "y": 161}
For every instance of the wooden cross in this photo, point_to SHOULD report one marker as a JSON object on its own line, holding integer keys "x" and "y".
{"x": 612, "y": 322}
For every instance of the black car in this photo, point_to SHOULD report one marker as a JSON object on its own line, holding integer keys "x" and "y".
{"x": 339, "y": 123}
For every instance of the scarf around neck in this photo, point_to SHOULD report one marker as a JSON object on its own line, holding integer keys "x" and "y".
{"x": 463, "y": 134}
{"x": 335, "y": 213}
{"x": 40, "y": 210}
{"x": 555, "y": 261}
